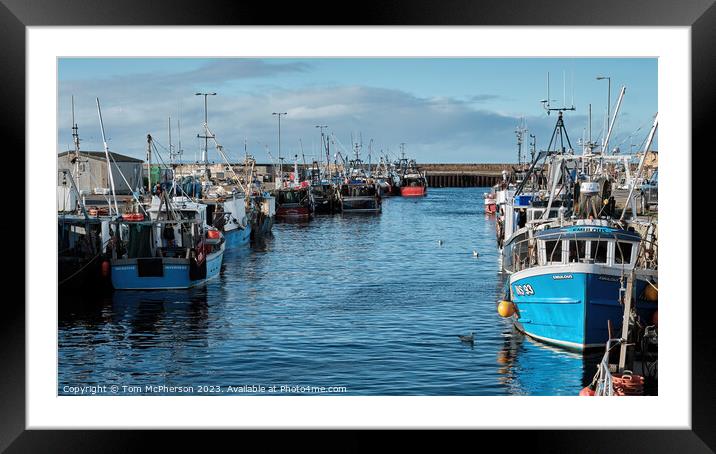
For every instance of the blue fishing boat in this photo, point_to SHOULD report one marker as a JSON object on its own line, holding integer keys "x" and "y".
{"x": 229, "y": 214}
{"x": 569, "y": 288}
{"x": 171, "y": 247}
{"x": 572, "y": 259}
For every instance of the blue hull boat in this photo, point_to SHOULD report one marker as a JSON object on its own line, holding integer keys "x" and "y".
{"x": 572, "y": 309}
{"x": 237, "y": 237}
{"x": 171, "y": 247}
{"x": 162, "y": 273}
{"x": 570, "y": 287}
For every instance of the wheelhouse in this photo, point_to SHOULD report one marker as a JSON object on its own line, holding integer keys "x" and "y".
{"x": 591, "y": 245}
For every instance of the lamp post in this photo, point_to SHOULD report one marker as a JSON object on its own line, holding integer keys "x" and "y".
{"x": 279, "y": 138}
{"x": 609, "y": 98}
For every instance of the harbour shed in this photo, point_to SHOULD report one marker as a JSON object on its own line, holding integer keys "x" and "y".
{"x": 93, "y": 175}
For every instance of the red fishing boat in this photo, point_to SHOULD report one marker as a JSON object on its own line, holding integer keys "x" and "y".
{"x": 490, "y": 203}
{"x": 414, "y": 185}
{"x": 294, "y": 202}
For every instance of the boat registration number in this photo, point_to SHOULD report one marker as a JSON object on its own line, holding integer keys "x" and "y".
{"x": 523, "y": 290}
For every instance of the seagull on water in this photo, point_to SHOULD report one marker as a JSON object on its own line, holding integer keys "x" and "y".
{"x": 474, "y": 253}
{"x": 467, "y": 339}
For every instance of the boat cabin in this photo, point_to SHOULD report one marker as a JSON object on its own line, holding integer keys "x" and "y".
{"x": 591, "y": 244}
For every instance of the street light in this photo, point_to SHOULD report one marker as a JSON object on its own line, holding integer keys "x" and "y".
{"x": 609, "y": 97}
{"x": 279, "y": 138}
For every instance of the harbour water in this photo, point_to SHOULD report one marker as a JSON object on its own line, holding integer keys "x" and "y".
{"x": 371, "y": 304}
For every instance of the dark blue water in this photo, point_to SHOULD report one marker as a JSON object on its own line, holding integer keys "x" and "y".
{"x": 372, "y": 304}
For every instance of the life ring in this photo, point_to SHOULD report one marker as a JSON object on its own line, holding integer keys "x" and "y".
{"x": 133, "y": 217}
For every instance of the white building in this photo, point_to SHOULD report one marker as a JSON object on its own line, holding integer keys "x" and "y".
{"x": 93, "y": 176}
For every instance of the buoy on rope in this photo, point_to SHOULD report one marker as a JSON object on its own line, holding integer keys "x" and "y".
{"x": 506, "y": 308}
{"x": 106, "y": 268}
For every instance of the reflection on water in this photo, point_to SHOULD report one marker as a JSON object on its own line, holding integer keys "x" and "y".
{"x": 372, "y": 303}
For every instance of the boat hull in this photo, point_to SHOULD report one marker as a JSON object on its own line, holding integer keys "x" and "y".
{"x": 572, "y": 308}
{"x": 262, "y": 226}
{"x": 361, "y": 205}
{"x": 237, "y": 237}
{"x": 168, "y": 273}
{"x": 413, "y": 191}
{"x": 293, "y": 212}
{"x": 325, "y": 206}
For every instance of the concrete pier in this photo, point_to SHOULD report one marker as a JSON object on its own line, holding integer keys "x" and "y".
{"x": 439, "y": 175}
{"x": 463, "y": 175}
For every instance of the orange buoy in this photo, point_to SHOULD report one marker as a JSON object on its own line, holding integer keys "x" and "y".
{"x": 651, "y": 293}
{"x": 106, "y": 268}
{"x": 586, "y": 391}
{"x": 506, "y": 308}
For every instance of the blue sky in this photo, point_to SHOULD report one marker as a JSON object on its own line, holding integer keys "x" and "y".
{"x": 444, "y": 109}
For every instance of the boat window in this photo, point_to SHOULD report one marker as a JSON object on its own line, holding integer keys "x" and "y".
{"x": 535, "y": 214}
{"x": 553, "y": 249}
{"x": 599, "y": 251}
{"x": 288, "y": 197}
{"x": 577, "y": 251}
{"x": 622, "y": 252}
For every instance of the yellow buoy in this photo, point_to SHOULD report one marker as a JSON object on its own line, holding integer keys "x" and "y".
{"x": 506, "y": 308}
{"x": 651, "y": 293}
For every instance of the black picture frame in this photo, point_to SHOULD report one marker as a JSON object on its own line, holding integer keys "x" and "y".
{"x": 16, "y": 15}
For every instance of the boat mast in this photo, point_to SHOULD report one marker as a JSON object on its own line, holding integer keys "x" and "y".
{"x": 520, "y": 133}
{"x": 109, "y": 164}
{"x": 149, "y": 163}
{"x": 206, "y": 136}
{"x": 324, "y": 147}
{"x": 633, "y": 181}
{"x": 76, "y": 142}
{"x": 171, "y": 147}
{"x": 605, "y": 147}
{"x": 295, "y": 168}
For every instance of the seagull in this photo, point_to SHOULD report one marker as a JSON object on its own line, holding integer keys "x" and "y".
{"x": 474, "y": 253}
{"x": 467, "y": 339}
{"x": 440, "y": 242}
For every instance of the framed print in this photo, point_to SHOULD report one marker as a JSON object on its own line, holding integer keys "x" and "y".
{"x": 437, "y": 218}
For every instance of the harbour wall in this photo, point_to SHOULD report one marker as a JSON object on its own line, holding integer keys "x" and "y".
{"x": 439, "y": 175}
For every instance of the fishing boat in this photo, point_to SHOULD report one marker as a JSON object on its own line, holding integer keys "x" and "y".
{"x": 225, "y": 201}
{"x": 384, "y": 178}
{"x": 79, "y": 235}
{"x": 294, "y": 202}
{"x": 360, "y": 196}
{"x": 569, "y": 254}
{"x": 414, "y": 184}
{"x": 264, "y": 205}
{"x": 84, "y": 218}
{"x": 228, "y": 213}
{"x": 171, "y": 248}
{"x": 359, "y": 193}
{"x": 568, "y": 288}
{"x": 80, "y": 253}
{"x": 325, "y": 195}
{"x": 490, "y": 202}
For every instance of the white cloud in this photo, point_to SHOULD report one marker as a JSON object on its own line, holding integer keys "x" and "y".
{"x": 435, "y": 129}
